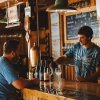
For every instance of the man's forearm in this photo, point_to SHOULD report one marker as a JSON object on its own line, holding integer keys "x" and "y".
{"x": 61, "y": 60}
{"x": 64, "y": 60}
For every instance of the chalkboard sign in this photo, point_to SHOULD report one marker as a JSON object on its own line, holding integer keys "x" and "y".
{"x": 74, "y": 22}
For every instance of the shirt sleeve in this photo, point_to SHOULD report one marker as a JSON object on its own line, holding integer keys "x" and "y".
{"x": 70, "y": 51}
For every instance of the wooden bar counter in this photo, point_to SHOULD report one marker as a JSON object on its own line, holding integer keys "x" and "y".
{"x": 68, "y": 91}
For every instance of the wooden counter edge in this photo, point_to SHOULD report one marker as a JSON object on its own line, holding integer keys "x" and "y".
{"x": 29, "y": 94}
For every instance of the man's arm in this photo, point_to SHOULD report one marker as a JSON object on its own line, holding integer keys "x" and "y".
{"x": 63, "y": 60}
{"x": 22, "y": 83}
{"x": 92, "y": 78}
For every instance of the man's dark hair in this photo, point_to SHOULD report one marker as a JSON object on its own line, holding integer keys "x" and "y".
{"x": 10, "y": 45}
{"x": 86, "y": 30}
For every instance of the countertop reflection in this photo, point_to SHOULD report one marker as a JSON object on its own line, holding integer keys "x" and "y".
{"x": 72, "y": 89}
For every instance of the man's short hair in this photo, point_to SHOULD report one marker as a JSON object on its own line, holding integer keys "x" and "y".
{"x": 10, "y": 45}
{"x": 86, "y": 30}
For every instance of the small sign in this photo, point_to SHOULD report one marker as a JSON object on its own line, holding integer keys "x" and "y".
{"x": 1, "y": 1}
{"x": 12, "y": 14}
{"x": 28, "y": 11}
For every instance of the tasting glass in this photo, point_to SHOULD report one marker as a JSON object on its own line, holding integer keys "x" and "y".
{"x": 58, "y": 76}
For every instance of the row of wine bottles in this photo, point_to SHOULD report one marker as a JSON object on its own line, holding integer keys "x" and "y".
{"x": 44, "y": 71}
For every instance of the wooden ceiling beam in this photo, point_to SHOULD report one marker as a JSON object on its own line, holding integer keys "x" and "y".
{"x": 11, "y": 2}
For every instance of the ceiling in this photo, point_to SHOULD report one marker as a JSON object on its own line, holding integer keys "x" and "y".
{"x": 40, "y": 2}
{"x": 42, "y": 6}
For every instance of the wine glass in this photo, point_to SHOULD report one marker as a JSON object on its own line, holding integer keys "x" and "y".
{"x": 58, "y": 75}
{"x": 50, "y": 74}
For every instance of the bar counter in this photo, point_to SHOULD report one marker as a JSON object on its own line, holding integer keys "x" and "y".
{"x": 69, "y": 90}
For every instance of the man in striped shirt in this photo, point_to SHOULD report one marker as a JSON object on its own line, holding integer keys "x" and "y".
{"x": 86, "y": 56}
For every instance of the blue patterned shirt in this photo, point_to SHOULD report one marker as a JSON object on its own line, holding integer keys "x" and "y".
{"x": 86, "y": 59}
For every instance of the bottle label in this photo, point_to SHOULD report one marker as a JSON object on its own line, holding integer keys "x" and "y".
{"x": 30, "y": 75}
{"x": 41, "y": 76}
{"x": 46, "y": 76}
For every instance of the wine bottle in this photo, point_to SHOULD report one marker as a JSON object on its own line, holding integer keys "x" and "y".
{"x": 37, "y": 71}
{"x": 41, "y": 71}
{"x": 30, "y": 74}
{"x": 46, "y": 72}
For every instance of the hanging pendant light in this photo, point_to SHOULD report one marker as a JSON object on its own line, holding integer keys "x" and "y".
{"x": 61, "y": 6}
